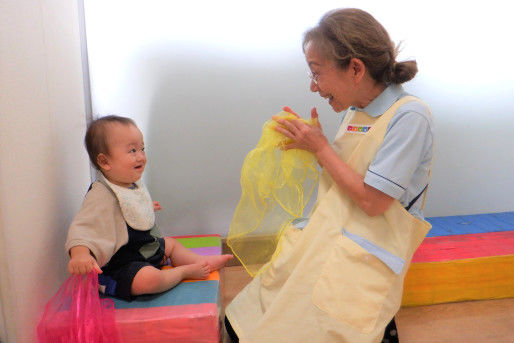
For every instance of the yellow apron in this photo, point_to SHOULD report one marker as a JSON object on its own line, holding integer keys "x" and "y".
{"x": 324, "y": 286}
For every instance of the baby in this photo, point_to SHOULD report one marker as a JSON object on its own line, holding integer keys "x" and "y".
{"x": 114, "y": 233}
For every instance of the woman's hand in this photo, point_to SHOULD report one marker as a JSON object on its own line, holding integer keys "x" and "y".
{"x": 372, "y": 201}
{"x": 289, "y": 110}
{"x": 304, "y": 136}
{"x": 81, "y": 261}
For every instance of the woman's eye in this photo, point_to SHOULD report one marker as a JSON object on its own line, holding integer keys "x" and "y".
{"x": 133, "y": 150}
{"x": 143, "y": 149}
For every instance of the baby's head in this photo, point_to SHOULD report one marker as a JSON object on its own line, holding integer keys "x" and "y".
{"x": 116, "y": 147}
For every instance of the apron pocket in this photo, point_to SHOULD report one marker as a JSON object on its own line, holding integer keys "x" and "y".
{"x": 353, "y": 285}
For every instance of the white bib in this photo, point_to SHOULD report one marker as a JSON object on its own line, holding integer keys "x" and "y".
{"x": 136, "y": 204}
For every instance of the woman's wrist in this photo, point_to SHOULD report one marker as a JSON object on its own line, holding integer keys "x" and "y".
{"x": 324, "y": 151}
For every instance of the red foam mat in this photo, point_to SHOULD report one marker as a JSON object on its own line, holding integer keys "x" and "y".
{"x": 457, "y": 247}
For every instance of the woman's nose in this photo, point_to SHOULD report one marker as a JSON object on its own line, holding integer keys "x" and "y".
{"x": 314, "y": 86}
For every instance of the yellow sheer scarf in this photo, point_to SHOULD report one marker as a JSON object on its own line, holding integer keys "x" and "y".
{"x": 276, "y": 185}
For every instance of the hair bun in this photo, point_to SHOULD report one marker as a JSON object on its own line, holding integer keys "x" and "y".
{"x": 403, "y": 71}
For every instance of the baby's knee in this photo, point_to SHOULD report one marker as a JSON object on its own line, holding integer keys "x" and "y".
{"x": 169, "y": 244}
{"x": 147, "y": 279}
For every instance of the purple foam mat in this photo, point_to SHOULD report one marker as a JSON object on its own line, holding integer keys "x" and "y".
{"x": 204, "y": 251}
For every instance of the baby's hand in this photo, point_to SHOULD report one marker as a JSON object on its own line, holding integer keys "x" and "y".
{"x": 156, "y": 206}
{"x": 83, "y": 264}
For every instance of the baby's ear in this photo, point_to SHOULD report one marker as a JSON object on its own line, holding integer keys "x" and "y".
{"x": 103, "y": 161}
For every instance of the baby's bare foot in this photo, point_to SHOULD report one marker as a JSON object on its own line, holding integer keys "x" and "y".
{"x": 217, "y": 261}
{"x": 197, "y": 271}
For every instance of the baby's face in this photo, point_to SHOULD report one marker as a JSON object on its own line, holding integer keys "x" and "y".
{"x": 126, "y": 157}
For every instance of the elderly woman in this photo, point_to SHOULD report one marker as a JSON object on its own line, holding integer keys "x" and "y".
{"x": 340, "y": 278}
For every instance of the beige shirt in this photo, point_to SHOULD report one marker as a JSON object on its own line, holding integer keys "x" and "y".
{"x": 99, "y": 225}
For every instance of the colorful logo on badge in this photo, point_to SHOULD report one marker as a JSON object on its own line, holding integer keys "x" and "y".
{"x": 358, "y": 128}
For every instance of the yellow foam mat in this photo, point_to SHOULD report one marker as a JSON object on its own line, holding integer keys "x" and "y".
{"x": 481, "y": 278}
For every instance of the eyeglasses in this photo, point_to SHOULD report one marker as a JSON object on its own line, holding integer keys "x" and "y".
{"x": 315, "y": 76}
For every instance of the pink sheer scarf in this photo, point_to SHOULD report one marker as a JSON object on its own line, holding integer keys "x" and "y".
{"x": 77, "y": 314}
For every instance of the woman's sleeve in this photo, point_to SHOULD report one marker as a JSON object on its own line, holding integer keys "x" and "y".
{"x": 407, "y": 145}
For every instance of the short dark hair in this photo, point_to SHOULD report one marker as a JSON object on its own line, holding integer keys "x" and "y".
{"x": 96, "y": 136}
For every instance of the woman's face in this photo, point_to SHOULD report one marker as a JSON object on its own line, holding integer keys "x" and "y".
{"x": 330, "y": 81}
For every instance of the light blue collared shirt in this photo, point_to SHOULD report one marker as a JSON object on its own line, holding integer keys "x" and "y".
{"x": 400, "y": 168}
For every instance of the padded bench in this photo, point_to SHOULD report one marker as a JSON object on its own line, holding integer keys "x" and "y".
{"x": 463, "y": 258}
{"x": 189, "y": 312}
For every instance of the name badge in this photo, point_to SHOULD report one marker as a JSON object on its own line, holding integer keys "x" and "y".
{"x": 362, "y": 129}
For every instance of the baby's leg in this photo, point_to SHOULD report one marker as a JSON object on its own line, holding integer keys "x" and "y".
{"x": 216, "y": 262}
{"x": 181, "y": 255}
{"x": 152, "y": 280}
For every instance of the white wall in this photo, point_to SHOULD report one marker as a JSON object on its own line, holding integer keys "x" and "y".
{"x": 43, "y": 170}
{"x": 201, "y": 78}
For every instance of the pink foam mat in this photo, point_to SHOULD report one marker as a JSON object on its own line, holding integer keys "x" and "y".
{"x": 185, "y": 323}
{"x": 457, "y": 247}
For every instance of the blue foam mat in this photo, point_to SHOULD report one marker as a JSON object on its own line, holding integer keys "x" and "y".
{"x": 475, "y": 223}
{"x": 186, "y": 293}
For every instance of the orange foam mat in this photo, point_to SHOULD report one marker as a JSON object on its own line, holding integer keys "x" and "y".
{"x": 215, "y": 275}
{"x": 480, "y": 278}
